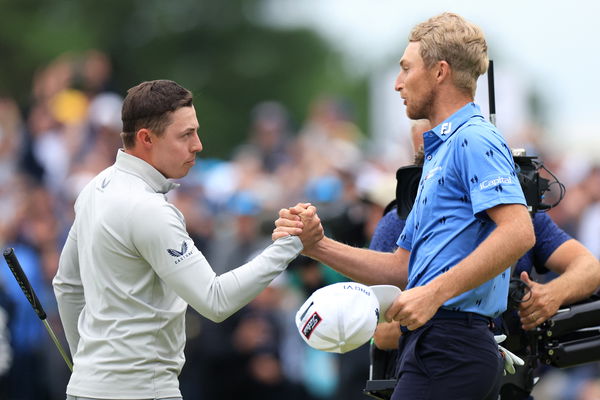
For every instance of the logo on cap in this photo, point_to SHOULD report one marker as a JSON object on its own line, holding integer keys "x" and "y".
{"x": 313, "y": 321}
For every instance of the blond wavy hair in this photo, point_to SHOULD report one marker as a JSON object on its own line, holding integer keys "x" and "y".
{"x": 449, "y": 37}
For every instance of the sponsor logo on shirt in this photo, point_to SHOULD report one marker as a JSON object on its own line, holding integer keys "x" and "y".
{"x": 181, "y": 254}
{"x": 103, "y": 184}
{"x": 446, "y": 128}
{"x": 432, "y": 172}
{"x": 495, "y": 182}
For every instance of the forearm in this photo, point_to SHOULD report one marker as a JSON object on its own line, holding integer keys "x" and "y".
{"x": 579, "y": 281}
{"x": 362, "y": 265}
{"x": 218, "y": 297}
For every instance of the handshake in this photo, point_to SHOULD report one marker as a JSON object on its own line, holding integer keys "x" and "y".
{"x": 302, "y": 221}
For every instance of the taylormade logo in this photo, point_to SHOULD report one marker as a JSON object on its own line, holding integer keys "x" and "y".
{"x": 495, "y": 182}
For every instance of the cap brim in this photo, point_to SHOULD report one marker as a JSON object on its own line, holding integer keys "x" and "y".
{"x": 386, "y": 294}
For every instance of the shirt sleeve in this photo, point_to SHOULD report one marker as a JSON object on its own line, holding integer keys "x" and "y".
{"x": 487, "y": 169}
{"x": 406, "y": 236}
{"x": 548, "y": 238}
{"x": 387, "y": 232}
{"x": 165, "y": 244}
{"x": 68, "y": 290}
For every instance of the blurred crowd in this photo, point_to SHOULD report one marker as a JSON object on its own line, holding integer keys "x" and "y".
{"x": 70, "y": 131}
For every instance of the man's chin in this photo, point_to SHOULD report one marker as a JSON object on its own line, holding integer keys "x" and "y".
{"x": 179, "y": 174}
{"x": 414, "y": 114}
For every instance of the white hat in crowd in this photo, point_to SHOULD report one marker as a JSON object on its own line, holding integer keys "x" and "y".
{"x": 343, "y": 316}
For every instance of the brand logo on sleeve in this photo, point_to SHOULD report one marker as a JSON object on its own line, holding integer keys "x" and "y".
{"x": 176, "y": 253}
{"x": 180, "y": 254}
{"x": 495, "y": 182}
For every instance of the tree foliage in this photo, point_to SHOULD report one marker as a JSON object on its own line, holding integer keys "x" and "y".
{"x": 218, "y": 49}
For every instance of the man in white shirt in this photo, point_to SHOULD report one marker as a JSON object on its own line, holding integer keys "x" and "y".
{"x": 129, "y": 269}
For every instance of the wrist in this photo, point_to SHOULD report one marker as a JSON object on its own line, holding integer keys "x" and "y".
{"x": 439, "y": 292}
{"x": 315, "y": 249}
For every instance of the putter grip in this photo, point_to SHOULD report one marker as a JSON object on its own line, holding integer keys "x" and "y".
{"x": 15, "y": 267}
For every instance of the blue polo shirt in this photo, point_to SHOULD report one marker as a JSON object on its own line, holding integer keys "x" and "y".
{"x": 468, "y": 169}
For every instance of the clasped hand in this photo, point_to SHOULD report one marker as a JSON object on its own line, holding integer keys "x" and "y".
{"x": 302, "y": 221}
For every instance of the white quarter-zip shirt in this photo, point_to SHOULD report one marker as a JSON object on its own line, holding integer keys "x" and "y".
{"x": 126, "y": 275}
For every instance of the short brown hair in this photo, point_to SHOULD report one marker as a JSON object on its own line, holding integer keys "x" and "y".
{"x": 449, "y": 37}
{"x": 149, "y": 104}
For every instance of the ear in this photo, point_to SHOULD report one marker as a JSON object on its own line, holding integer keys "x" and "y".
{"x": 144, "y": 137}
{"x": 443, "y": 71}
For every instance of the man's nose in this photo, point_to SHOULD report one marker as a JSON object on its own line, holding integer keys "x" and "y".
{"x": 197, "y": 146}
{"x": 399, "y": 83}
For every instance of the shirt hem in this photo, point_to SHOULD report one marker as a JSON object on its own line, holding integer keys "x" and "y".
{"x": 120, "y": 395}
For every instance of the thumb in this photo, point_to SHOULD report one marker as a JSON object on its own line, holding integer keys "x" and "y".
{"x": 525, "y": 278}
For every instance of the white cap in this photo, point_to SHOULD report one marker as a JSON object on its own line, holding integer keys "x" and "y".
{"x": 342, "y": 317}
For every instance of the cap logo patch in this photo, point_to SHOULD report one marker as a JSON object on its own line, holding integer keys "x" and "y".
{"x": 313, "y": 321}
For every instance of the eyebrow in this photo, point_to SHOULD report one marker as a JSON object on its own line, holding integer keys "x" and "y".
{"x": 191, "y": 129}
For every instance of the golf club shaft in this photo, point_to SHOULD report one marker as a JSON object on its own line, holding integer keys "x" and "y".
{"x": 17, "y": 271}
{"x": 58, "y": 345}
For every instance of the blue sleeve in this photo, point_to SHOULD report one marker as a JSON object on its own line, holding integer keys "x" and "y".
{"x": 387, "y": 231}
{"x": 487, "y": 169}
{"x": 406, "y": 236}
{"x": 548, "y": 238}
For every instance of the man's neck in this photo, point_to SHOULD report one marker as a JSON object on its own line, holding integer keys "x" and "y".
{"x": 136, "y": 153}
{"x": 447, "y": 104}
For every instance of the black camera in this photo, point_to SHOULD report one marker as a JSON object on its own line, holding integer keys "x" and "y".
{"x": 527, "y": 168}
{"x": 534, "y": 186}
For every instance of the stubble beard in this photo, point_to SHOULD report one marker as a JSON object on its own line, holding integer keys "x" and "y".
{"x": 422, "y": 108}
